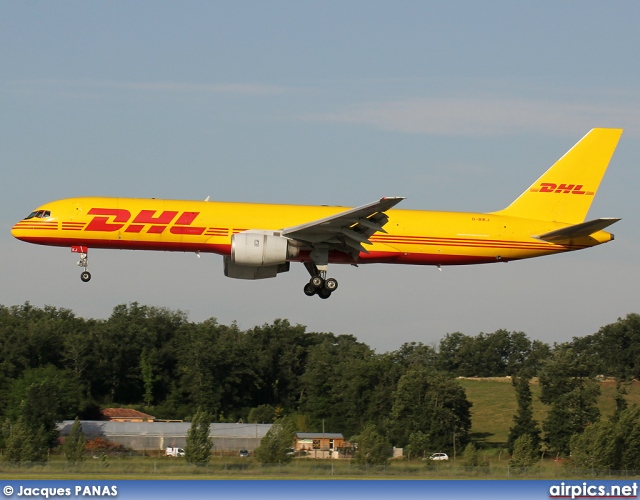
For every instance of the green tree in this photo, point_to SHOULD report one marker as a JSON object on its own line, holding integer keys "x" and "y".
{"x": 26, "y": 445}
{"x": 523, "y": 421}
{"x": 118, "y": 349}
{"x": 44, "y": 396}
{"x": 31, "y": 337}
{"x": 73, "y": 448}
{"x": 615, "y": 348}
{"x": 5, "y": 431}
{"x": 449, "y": 349}
{"x": 595, "y": 447}
{"x": 217, "y": 370}
{"x": 346, "y": 385}
{"x": 471, "y": 457}
{"x": 619, "y": 398}
{"x": 279, "y": 358}
{"x": 148, "y": 375}
{"x": 524, "y": 452}
{"x": 609, "y": 444}
{"x": 196, "y": 360}
{"x": 416, "y": 354}
{"x": 275, "y": 445}
{"x": 418, "y": 444}
{"x": 489, "y": 354}
{"x": 262, "y": 414}
{"x": 373, "y": 448}
{"x": 569, "y": 388}
{"x": 198, "y": 448}
{"x": 628, "y": 437}
{"x": 433, "y": 403}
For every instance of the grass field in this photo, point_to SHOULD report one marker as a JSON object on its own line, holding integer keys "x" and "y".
{"x": 232, "y": 468}
{"x": 494, "y": 405}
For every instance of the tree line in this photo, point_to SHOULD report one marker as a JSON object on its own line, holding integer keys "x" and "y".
{"x": 55, "y": 365}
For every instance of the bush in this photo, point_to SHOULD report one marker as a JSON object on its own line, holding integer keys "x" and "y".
{"x": 104, "y": 445}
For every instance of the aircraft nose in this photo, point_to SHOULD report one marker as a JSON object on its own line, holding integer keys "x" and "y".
{"x": 18, "y": 231}
{"x": 15, "y": 231}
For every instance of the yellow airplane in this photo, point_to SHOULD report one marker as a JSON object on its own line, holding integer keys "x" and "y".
{"x": 261, "y": 240}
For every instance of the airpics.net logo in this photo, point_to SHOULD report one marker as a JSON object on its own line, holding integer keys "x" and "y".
{"x": 586, "y": 490}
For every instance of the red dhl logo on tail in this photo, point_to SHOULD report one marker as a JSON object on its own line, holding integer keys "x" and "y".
{"x": 550, "y": 187}
{"x": 114, "y": 219}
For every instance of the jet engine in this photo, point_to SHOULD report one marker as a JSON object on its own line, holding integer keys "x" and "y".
{"x": 258, "y": 255}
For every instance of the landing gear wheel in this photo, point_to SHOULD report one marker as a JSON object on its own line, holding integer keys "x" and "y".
{"x": 319, "y": 284}
{"x": 83, "y": 262}
{"x": 331, "y": 284}
{"x": 316, "y": 281}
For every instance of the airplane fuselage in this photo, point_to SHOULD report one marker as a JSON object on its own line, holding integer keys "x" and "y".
{"x": 412, "y": 236}
{"x": 259, "y": 241}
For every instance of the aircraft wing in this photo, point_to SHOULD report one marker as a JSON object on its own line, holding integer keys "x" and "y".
{"x": 577, "y": 230}
{"x": 345, "y": 231}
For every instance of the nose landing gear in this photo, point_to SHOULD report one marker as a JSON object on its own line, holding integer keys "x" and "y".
{"x": 83, "y": 262}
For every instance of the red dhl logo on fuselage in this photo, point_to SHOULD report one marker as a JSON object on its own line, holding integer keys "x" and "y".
{"x": 550, "y": 187}
{"x": 115, "y": 219}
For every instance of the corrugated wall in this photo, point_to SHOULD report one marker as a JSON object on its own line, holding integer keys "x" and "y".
{"x": 160, "y": 435}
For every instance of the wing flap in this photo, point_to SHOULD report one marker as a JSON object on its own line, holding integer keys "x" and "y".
{"x": 370, "y": 224}
{"x": 356, "y": 236}
{"x": 353, "y": 245}
{"x": 577, "y": 230}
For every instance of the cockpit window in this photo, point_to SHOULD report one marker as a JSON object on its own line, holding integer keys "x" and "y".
{"x": 39, "y": 214}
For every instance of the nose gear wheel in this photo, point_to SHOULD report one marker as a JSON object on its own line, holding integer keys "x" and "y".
{"x": 84, "y": 263}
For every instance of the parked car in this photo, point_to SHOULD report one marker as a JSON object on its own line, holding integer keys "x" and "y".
{"x": 174, "y": 452}
{"x": 243, "y": 453}
{"x": 439, "y": 456}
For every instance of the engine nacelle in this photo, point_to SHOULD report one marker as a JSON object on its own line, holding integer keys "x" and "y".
{"x": 253, "y": 248}
{"x": 239, "y": 272}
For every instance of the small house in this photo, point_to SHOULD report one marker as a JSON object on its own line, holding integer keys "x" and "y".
{"x": 320, "y": 444}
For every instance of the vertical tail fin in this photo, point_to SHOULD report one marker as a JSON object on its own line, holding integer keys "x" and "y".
{"x": 564, "y": 192}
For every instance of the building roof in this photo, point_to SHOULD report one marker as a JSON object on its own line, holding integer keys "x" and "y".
{"x": 110, "y": 413}
{"x": 94, "y": 428}
{"x": 319, "y": 435}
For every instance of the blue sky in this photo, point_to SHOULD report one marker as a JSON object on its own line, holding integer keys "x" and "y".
{"x": 455, "y": 105}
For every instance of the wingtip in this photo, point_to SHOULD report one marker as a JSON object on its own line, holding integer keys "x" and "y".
{"x": 394, "y": 200}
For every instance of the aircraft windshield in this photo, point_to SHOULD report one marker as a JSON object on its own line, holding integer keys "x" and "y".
{"x": 39, "y": 214}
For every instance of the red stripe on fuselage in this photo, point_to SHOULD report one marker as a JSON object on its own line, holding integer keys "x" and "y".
{"x": 335, "y": 257}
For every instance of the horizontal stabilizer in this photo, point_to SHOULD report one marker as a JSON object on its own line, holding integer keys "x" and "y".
{"x": 577, "y": 230}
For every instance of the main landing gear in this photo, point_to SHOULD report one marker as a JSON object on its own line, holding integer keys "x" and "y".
{"x": 319, "y": 284}
{"x": 83, "y": 262}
